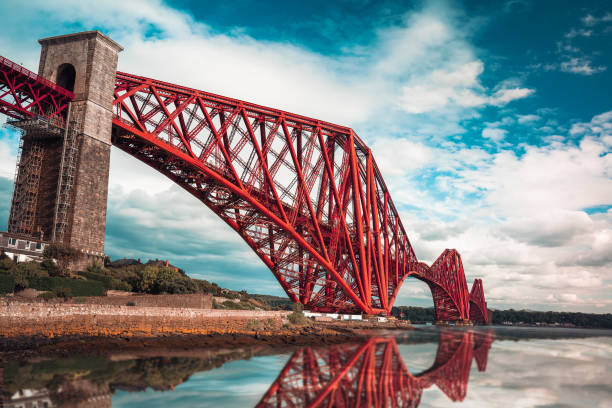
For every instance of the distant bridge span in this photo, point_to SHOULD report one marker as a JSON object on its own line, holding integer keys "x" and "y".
{"x": 306, "y": 195}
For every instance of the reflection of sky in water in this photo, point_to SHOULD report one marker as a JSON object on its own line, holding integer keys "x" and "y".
{"x": 418, "y": 357}
{"x": 235, "y": 384}
{"x": 539, "y": 373}
{"x": 528, "y": 373}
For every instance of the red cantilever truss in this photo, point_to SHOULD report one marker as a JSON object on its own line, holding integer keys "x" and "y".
{"x": 24, "y": 93}
{"x": 306, "y": 195}
{"x": 373, "y": 374}
{"x": 478, "y": 306}
{"x": 446, "y": 280}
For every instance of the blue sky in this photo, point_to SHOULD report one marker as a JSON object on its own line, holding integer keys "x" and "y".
{"x": 491, "y": 122}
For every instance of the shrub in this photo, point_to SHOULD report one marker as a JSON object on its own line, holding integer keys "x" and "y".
{"x": 107, "y": 281}
{"x": 96, "y": 276}
{"x": 228, "y": 304}
{"x": 230, "y": 294}
{"x": 117, "y": 284}
{"x": 62, "y": 292}
{"x": 146, "y": 279}
{"x": 208, "y": 287}
{"x": 297, "y": 317}
{"x": 25, "y": 272}
{"x": 131, "y": 304}
{"x": 7, "y": 283}
{"x": 64, "y": 254}
{"x": 49, "y": 265}
{"x": 95, "y": 267}
{"x": 169, "y": 280}
{"x": 6, "y": 263}
{"x": 77, "y": 287}
{"x": 21, "y": 278}
{"x": 154, "y": 279}
{"x": 47, "y": 295}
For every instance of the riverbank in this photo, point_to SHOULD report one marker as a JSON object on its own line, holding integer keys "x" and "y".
{"x": 60, "y": 328}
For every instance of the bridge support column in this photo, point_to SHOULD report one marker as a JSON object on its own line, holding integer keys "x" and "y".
{"x": 77, "y": 179}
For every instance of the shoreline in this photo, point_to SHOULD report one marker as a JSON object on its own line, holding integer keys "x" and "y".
{"x": 41, "y": 329}
{"x": 24, "y": 347}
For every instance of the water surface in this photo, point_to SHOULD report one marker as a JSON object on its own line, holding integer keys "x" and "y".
{"x": 477, "y": 367}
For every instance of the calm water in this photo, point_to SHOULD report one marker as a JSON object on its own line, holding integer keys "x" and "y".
{"x": 493, "y": 367}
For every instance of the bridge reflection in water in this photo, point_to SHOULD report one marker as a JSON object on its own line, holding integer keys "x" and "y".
{"x": 373, "y": 374}
{"x": 369, "y": 374}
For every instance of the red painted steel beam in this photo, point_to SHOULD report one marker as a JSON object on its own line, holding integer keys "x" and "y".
{"x": 306, "y": 195}
{"x": 478, "y": 305}
{"x": 24, "y": 94}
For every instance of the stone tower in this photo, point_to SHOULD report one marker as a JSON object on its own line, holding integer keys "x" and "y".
{"x": 68, "y": 168}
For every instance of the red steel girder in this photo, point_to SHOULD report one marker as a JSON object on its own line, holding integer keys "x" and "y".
{"x": 478, "y": 306}
{"x": 449, "y": 287}
{"x": 25, "y": 94}
{"x": 306, "y": 195}
{"x": 446, "y": 280}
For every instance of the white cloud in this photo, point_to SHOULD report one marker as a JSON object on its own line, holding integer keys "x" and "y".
{"x": 572, "y": 177}
{"x": 458, "y": 87}
{"x": 8, "y": 149}
{"x": 523, "y": 119}
{"x": 503, "y": 96}
{"x": 572, "y": 58}
{"x": 581, "y": 65}
{"x": 527, "y": 232}
{"x": 399, "y": 156}
{"x": 580, "y": 32}
{"x": 600, "y": 126}
{"x": 495, "y": 134}
{"x": 591, "y": 20}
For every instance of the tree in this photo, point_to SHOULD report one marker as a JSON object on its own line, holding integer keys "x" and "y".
{"x": 21, "y": 279}
{"x": 24, "y": 272}
{"x": 63, "y": 254}
{"x": 49, "y": 265}
{"x": 6, "y": 263}
{"x": 146, "y": 279}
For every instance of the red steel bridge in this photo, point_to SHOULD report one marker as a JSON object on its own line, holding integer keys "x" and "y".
{"x": 373, "y": 374}
{"x": 306, "y": 195}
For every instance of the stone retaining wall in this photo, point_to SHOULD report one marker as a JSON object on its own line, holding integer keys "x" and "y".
{"x": 52, "y": 320}
{"x": 194, "y": 301}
